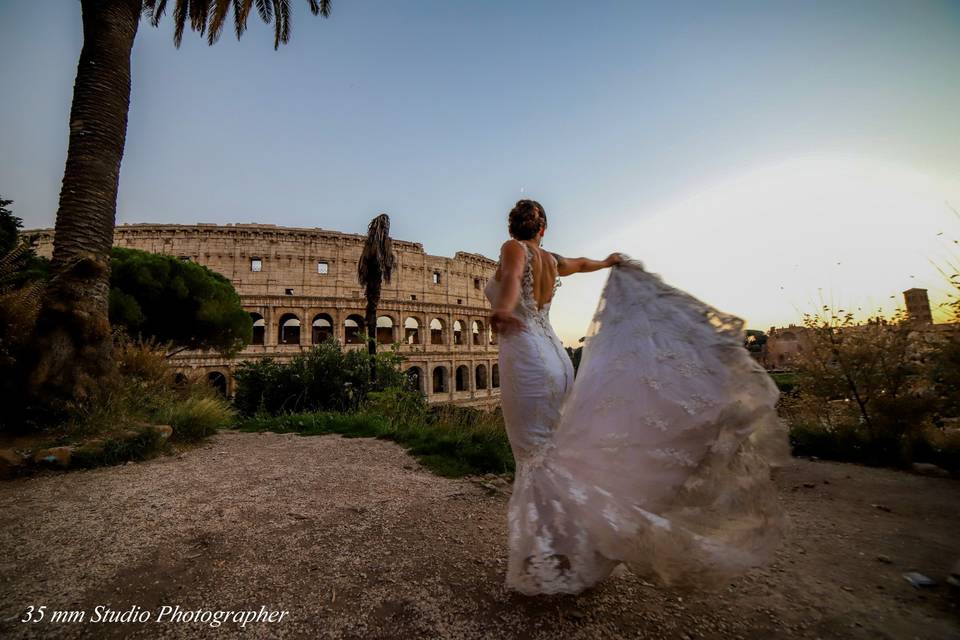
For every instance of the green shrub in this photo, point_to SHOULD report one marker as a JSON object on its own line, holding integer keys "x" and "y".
{"x": 851, "y": 444}
{"x": 195, "y": 418}
{"x": 399, "y": 405}
{"x": 118, "y": 449}
{"x": 325, "y": 378}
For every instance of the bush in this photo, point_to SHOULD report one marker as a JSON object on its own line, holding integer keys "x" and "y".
{"x": 323, "y": 379}
{"x": 850, "y": 444}
{"x": 196, "y": 418}
{"x": 115, "y": 450}
{"x": 858, "y": 391}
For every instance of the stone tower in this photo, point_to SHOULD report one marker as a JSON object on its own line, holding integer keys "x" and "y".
{"x": 918, "y": 305}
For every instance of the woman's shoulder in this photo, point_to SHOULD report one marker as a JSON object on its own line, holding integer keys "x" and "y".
{"x": 513, "y": 247}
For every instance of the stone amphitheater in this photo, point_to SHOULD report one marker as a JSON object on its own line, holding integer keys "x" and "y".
{"x": 300, "y": 286}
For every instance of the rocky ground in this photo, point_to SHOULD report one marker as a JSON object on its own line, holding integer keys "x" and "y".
{"x": 355, "y": 540}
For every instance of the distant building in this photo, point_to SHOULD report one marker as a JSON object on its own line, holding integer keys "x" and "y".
{"x": 918, "y": 305}
{"x": 783, "y": 345}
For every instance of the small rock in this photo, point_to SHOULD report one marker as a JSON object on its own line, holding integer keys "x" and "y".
{"x": 56, "y": 456}
{"x": 809, "y": 485}
{"x": 884, "y": 559}
{"x": 164, "y": 430}
{"x": 919, "y": 580}
{"x": 882, "y": 507}
{"x": 11, "y": 463}
{"x": 927, "y": 469}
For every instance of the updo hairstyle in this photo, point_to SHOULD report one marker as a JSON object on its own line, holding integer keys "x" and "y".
{"x": 525, "y": 219}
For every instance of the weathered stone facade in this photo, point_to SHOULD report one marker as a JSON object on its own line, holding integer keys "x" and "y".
{"x": 300, "y": 285}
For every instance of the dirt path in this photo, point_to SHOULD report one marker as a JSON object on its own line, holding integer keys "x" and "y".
{"x": 354, "y": 540}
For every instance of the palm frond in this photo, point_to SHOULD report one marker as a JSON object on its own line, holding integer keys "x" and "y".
{"x": 179, "y": 21}
{"x": 281, "y": 21}
{"x": 217, "y": 18}
{"x": 199, "y": 11}
{"x": 377, "y": 256}
{"x": 155, "y": 9}
{"x": 207, "y": 17}
{"x": 241, "y": 9}
{"x": 265, "y": 9}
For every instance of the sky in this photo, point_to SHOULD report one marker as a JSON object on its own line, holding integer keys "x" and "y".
{"x": 767, "y": 157}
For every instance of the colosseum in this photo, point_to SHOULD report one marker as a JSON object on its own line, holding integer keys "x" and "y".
{"x": 300, "y": 286}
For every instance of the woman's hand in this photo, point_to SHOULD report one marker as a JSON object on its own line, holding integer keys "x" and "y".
{"x": 504, "y": 322}
{"x": 613, "y": 258}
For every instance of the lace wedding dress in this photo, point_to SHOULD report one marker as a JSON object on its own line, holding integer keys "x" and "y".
{"x": 657, "y": 455}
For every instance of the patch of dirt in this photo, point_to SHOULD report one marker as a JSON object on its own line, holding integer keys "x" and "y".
{"x": 355, "y": 540}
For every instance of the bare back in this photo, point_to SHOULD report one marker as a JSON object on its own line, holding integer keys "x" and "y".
{"x": 545, "y": 274}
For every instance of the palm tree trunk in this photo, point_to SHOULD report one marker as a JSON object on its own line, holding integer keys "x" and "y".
{"x": 373, "y": 301}
{"x": 73, "y": 340}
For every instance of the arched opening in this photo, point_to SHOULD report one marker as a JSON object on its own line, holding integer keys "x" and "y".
{"x": 259, "y": 329}
{"x": 481, "y": 376}
{"x": 411, "y": 328}
{"x": 415, "y": 377}
{"x": 457, "y": 332}
{"x": 218, "y": 381}
{"x": 179, "y": 378}
{"x": 385, "y": 330}
{"x": 353, "y": 330}
{"x": 477, "y": 329}
{"x": 440, "y": 379}
{"x": 322, "y": 327}
{"x": 495, "y": 376}
{"x": 462, "y": 378}
{"x": 436, "y": 331}
{"x": 289, "y": 329}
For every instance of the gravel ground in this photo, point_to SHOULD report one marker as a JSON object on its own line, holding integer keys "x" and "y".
{"x": 354, "y": 540}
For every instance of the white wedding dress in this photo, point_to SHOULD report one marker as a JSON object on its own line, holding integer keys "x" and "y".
{"x": 657, "y": 455}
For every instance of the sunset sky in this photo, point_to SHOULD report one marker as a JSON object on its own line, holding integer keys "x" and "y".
{"x": 768, "y": 157}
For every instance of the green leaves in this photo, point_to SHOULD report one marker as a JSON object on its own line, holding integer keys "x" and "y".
{"x": 182, "y": 302}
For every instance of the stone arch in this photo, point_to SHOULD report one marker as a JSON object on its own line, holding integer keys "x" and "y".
{"x": 436, "y": 331}
{"x": 353, "y": 331}
{"x": 462, "y": 378}
{"x": 440, "y": 379}
{"x": 457, "y": 332}
{"x": 218, "y": 381}
{"x": 476, "y": 328}
{"x": 322, "y": 327}
{"x": 385, "y": 330}
{"x": 415, "y": 377}
{"x": 289, "y": 329}
{"x": 481, "y": 376}
{"x": 495, "y": 376}
{"x": 259, "y": 329}
{"x": 411, "y": 330}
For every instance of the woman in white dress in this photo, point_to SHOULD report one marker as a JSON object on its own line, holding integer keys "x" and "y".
{"x": 657, "y": 456}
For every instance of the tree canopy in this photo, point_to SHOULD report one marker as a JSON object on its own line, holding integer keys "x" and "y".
{"x": 176, "y": 300}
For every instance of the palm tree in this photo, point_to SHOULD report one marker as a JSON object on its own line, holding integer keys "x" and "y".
{"x": 73, "y": 345}
{"x": 375, "y": 266}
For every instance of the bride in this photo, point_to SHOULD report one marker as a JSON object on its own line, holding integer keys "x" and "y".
{"x": 657, "y": 456}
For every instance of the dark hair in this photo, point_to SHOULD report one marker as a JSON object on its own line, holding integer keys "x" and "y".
{"x": 525, "y": 219}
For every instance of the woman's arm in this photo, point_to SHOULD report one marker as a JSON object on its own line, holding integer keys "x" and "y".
{"x": 512, "y": 257}
{"x": 569, "y": 266}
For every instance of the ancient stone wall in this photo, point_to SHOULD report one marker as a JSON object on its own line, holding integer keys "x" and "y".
{"x": 300, "y": 285}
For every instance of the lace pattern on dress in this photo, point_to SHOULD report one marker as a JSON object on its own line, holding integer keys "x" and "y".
{"x": 658, "y": 456}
